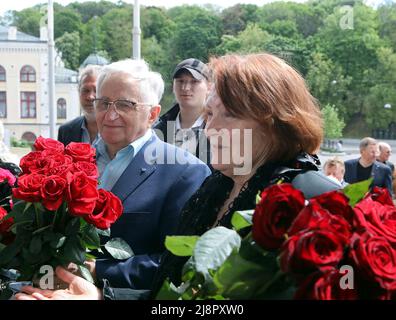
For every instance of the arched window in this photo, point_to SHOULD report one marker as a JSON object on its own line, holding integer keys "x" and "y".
{"x": 28, "y": 74}
{"x": 2, "y": 74}
{"x": 61, "y": 108}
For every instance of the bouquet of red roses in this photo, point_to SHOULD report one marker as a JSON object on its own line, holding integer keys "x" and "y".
{"x": 340, "y": 245}
{"x": 58, "y": 213}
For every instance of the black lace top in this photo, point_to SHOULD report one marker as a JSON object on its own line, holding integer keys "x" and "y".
{"x": 200, "y": 212}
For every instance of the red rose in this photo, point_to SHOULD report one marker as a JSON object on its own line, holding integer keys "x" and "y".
{"x": 277, "y": 209}
{"x": 378, "y": 218}
{"x": 6, "y": 224}
{"x": 82, "y": 194}
{"x": 311, "y": 250}
{"x": 107, "y": 210}
{"x": 29, "y": 163}
{"x": 381, "y": 195}
{"x": 29, "y": 187}
{"x": 52, "y": 192}
{"x": 8, "y": 176}
{"x": 315, "y": 216}
{"x": 61, "y": 170}
{"x": 80, "y": 151}
{"x": 324, "y": 286}
{"x": 42, "y": 144}
{"x": 88, "y": 167}
{"x": 50, "y": 160}
{"x": 375, "y": 259}
{"x": 336, "y": 203}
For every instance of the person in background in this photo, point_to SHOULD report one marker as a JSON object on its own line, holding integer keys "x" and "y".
{"x": 335, "y": 169}
{"x": 366, "y": 166}
{"x": 385, "y": 152}
{"x": 184, "y": 123}
{"x": 83, "y": 128}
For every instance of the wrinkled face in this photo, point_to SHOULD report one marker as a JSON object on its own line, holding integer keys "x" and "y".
{"x": 385, "y": 153}
{"x": 189, "y": 92}
{"x": 87, "y": 92}
{"x": 118, "y": 129}
{"x": 370, "y": 153}
{"x": 236, "y": 144}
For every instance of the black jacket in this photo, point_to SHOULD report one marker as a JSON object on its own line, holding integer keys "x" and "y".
{"x": 171, "y": 115}
{"x": 71, "y": 131}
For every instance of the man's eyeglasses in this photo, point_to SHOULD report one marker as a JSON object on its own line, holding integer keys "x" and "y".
{"x": 121, "y": 106}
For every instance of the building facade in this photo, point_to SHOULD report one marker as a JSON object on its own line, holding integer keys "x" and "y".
{"x": 24, "y": 102}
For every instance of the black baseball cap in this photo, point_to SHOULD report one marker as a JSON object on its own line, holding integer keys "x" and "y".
{"x": 197, "y": 68}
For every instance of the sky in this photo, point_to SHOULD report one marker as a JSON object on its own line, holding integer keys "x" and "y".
{"x": 22, "y": 4}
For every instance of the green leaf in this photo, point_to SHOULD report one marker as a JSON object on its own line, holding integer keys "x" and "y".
{"x": 90, "y": 256}
{"x": 104, "y": 233}
{"x": 73, "y": 227}
{"x": 258, "y": 197}
{"x": 35, "y": 245}
{"x": 242, "y": 219}
{"x": 119, "y": 249}
{"x": 58, "y": 242}
{"x": 167, "y": 292}
{"x": 90, "y": 237}
{"x": 9, "y": 252}
{"x": 73, "y": 251}
{"x": 356, "y": 191}
{"x": 41, "y": 229}
{"x": 86, "y": 274}
{"x": 238, "y": 278}
{"x": 214, "y": 247}
{"x": 181, "y": 246}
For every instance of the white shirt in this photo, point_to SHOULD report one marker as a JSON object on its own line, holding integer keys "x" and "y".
{"x": 186, "y": 138}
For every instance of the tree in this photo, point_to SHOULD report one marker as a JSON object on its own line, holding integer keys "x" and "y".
{"x": 92, "y": 38}
{"x": 156, "y": 23}
{"x": 90, "y": 9}
{"x": 117, "y": 26}
{"x": 236, "y": 18}
{"x": 252, "y": 39}
{"x": 333, "y": 124}
{"x": 197, "y": 33}
{"x": 66, "y": 20}
{"x": 28, "y": 20}
{"x": 69, "y": 45}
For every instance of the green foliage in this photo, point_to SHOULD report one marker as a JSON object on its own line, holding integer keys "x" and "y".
{"x": 66, "y": 20}
{"x": 355, "y": 192}
{"x": 181, "y": 246}
{"x": 119, "y": 249}
{"x": 69, "y": 44}
{"x": 333, "y": 124}
{"x": 242, "y": 219}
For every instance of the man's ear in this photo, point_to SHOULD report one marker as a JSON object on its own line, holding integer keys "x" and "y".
{"x": 154, "y": 114}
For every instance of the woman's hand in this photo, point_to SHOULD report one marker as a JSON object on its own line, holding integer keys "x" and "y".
{"x": 79, "y": 289}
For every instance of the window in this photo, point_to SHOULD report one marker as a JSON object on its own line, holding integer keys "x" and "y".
{"x": 61, "y": 108}
{"x": 2, "y": 74}
{"x": 28, "y": 74}
{"x": 28, "y": 104}
{"x": 3, "y": 104}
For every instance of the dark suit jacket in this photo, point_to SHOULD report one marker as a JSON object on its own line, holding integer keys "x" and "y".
{"x": 381, "y": 173}
{"x": 71, "y": 131}
{"x": 153, "y": 190}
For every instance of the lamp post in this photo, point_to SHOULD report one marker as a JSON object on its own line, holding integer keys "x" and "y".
{"x": 51, "y": 70}
{"x": 136, "y": 31}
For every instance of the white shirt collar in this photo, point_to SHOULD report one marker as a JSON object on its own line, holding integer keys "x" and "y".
{"x": 197, "y": 123}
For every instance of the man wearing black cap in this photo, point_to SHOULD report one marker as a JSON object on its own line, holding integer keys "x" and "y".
{"x": 183, "y": 124}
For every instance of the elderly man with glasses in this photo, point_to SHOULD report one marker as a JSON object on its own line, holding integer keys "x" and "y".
{"x": 153, "y": 179}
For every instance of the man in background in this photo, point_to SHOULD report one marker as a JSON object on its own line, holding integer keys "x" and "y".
{"x": 385, "y": 152}
{"x": 366, "y": 166}
{"x": 83, "y": 128}
{"x": 184, "y": 123}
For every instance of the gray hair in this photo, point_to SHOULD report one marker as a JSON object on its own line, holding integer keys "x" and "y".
{"x": 385, "y": 145}
{"x": 365, "y": 142}
{"x": 151, "y": 84}
{"x": 89, "y": 71}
